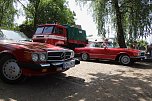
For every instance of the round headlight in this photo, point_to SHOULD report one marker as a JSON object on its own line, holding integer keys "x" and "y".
{"x": 35, "y": 57}
{"x": 42, "y": 57}
{"x": 72, "y": 54}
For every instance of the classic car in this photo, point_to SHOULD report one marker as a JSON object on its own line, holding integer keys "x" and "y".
{"x": 98, "y": 50}
{"x": 20, "y": 58}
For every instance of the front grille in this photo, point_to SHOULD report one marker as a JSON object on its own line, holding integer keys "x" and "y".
{"x": 58, "y": 56}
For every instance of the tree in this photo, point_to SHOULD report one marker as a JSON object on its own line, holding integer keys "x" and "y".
{"x": 7, "y": 13}
{"x": 45, "y": 11}
{"x": 128, "y": 16}
{"x": 48, "y": 11}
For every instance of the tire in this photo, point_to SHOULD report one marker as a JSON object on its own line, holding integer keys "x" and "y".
{"x": 125, "y": 60}
{"x": 84, "y": 56}
{"x": 10, "y": 72}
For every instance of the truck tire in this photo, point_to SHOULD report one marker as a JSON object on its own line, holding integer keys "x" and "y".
{"x": 84, "y": 56}
{"x": 125, "y": 60}
{"x": 10, "y": 72}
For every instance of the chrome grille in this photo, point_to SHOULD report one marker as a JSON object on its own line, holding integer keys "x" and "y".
{"x": 58, "y": 55}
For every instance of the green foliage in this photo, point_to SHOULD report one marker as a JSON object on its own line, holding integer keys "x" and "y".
{"x": 27, "y": 29}
{"x": 140, "y": 44}
{"x": 7, "y": 13}
{"x": 135, "y": 17}
{"x": 48, "y": 11}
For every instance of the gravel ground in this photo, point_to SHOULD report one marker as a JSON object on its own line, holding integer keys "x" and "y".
{"x": 89, "y": 81}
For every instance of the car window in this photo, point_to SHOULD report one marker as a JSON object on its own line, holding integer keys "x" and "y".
{"x": 91, "y": 45}
{"x": 58, "y": 30}
{"x": 14, "y": 35}
{"x": 48, "y": 29}
{"x": 98, "y": 45}
{"x": 39, "y": 30}
{"x": 1, "y": 35}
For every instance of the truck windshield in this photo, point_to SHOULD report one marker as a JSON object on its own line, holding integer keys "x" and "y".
{"x": 44, "y": 30}
{"x": 13, "y": 35}
{"x": 39, "y": 30}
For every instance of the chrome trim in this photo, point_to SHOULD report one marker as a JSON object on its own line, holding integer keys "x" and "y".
{"x": 45, "y": 65}
{"x": 57, "y": 63}
{"x": 62, "y": 52}
{"x": 56, "y": 60}
{"x": 53, "y": 56}
{"x": 137, "y": 57}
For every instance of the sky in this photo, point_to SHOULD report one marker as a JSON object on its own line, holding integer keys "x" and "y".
{"x": 84, "y": 17}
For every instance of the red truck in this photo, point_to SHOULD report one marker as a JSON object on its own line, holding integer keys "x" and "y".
{"x": 60, "y": 35}
{"x": 20, "y": 58}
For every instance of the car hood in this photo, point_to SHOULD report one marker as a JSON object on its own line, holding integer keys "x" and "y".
{"x": 30, "y": 45}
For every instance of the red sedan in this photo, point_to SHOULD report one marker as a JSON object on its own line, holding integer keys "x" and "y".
{"x": 98, "y": 50}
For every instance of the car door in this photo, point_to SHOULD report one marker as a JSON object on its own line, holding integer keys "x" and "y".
{"x": 97, "y": 51}
{"x": 109, "y": 52}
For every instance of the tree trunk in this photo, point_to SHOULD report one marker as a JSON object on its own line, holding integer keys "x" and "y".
{"x": 35, "y": 20}
{"x": 120, "y": 32}
{"x": 36, "y": 6}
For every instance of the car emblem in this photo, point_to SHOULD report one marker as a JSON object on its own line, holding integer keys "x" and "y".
{"x": 62, "y": 56}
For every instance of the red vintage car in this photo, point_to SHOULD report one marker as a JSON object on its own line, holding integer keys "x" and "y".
{"x": 20, "y": 58}
{"x": 98, "y": 50}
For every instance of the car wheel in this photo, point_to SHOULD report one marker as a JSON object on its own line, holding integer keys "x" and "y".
{"x": 10, "y": 72}
{"x": 125, "y": 60}
{"x": 84, "y": 56}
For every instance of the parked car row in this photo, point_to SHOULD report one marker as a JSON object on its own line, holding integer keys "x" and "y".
{"x": 21, "y": 58}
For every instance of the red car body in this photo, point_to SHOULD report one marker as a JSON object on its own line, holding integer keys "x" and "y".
{"x": 94, "y": 51}
{"x": 31, "y": 58}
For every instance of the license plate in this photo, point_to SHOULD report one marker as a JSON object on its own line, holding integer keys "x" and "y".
{"x": 69, "y": 64}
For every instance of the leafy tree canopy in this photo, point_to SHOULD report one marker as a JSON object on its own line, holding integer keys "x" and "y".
{"x": 48, "y": 11}
{"x": 7, "y": 13}
{"x": 129, "y": 18}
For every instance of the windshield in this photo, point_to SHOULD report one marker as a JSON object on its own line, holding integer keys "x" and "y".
{"x": 13, "y": 35}
{"x": 44, "y": 30}
{"x": 102, "y": 45}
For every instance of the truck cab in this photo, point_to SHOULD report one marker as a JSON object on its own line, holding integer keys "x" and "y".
{"x": 60, "y": 35}
{"x": 51, "y": 34}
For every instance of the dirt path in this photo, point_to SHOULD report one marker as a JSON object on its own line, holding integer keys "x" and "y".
{"x": 89, "y": 81}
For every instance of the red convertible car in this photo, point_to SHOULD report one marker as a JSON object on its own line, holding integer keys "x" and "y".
{"x": 20, "y": 58}
{"x": 98, "y": 50}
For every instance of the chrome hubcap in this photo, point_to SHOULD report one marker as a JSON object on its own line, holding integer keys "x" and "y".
{"x": 125, "y": 59}
{"x": 84, "y": 56}
{"x": 11, "y": 70}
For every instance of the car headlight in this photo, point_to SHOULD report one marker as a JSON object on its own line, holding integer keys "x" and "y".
{"x": 72, "y": 54}
{"x": 42, "y": 57}
{"x": 35, "y": 57}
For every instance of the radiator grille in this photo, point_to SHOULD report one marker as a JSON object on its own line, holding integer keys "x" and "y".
{"x": 58, "y": 56}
